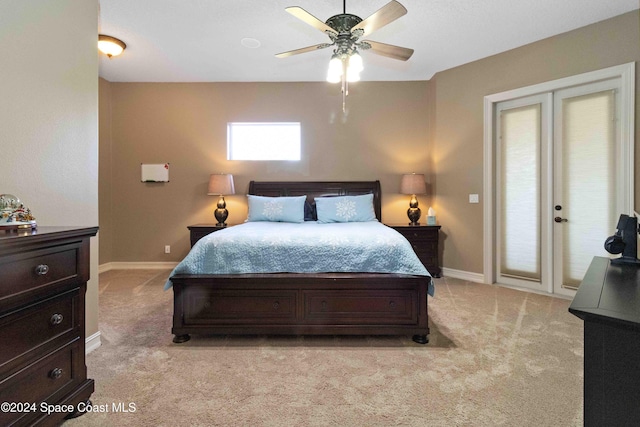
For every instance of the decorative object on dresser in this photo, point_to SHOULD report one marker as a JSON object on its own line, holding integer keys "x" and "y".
{"x": 219, "y": 185}
{"x": 624, "y": 241}
{"x": 198, "y": 231}
{"x": 14, "y": 215}
{"x": 607, "y": 300}
{"x": 424, "y": 240}
{"x": 43, "y": 281}
{"x": 303, "y": 303}
{"x": 413, "y": 184}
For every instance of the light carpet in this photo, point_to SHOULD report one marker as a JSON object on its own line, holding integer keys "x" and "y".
{"x": 496, "y": 357}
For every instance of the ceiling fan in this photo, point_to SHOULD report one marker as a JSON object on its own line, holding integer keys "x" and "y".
{"x": 345, "y": 31}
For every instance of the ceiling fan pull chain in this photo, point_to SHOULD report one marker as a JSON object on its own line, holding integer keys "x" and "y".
{"x": 344, "y": 88}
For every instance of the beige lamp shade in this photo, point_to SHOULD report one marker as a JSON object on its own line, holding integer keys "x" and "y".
{"x": 413, "y": 184}
{"x": 221, "y": 184}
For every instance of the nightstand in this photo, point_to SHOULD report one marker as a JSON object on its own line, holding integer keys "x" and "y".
{"x": 198, "y": 231}
{"x": 424, "y": 240}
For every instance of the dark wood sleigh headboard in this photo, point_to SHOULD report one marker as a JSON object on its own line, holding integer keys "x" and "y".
{"x": 313, "y": 189}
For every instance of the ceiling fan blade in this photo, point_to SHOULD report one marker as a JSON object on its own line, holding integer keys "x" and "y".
{"x": 388, "y": 50}
{"x": 305, "y": 16}
{"x": 383, "y": 16}
{"x": 303, "y": 50}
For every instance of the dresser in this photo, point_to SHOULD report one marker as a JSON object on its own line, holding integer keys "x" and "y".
{"x": 43, "y": 281}
{"x": 608, "y": 300}
{"x": 424, "y": 240}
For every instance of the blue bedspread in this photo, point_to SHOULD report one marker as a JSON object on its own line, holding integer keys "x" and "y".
{"x": 309, "y": 247}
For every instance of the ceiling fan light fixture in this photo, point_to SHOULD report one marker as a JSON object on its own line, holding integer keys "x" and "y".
{"x": 334, "y": 75}
{"x": 354, "y": 67}
{"x": 355, "y": 63}
{"x": 345, "y": 31}
{"x": 110, "y": 46}
{"x": 353, "y": 76}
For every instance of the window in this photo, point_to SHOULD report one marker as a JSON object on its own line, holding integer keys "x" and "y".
{"x": 263, "y": 141}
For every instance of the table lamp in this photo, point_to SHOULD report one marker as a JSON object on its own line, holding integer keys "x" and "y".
{"x": 413, "y": 184}
{"x": 219, "y": 185}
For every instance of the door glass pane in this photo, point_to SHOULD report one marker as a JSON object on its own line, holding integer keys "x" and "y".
{"x": 588, "y": 180}
{"x": 520, "y": 192}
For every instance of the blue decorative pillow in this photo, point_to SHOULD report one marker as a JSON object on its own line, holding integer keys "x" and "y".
{"x": 276, "y": 209}
{"x": 345, "y": 209}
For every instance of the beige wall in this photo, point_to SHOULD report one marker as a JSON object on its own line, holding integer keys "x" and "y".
{"x": 104, "y": 178}
{"x": 383, "y": 136}
{"x": 458, "y": 128}
{"x": 434, "y": 127}
{"x": 49, "y": 115}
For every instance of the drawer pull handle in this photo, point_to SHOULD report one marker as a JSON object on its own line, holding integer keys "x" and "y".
{"x": 323, "y": 306}
{"x": 392, "y": 304}
{"x": 56, "y": 319}
{"x": 55, "y": 373}
{"x": 276, "y": 305}
{"x": 42, "y": 269}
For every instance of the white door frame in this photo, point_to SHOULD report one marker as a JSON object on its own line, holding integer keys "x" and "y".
{"x": 626, "y": 73}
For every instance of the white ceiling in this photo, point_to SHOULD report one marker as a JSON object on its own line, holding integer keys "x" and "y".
{"x": 200, "y": 40}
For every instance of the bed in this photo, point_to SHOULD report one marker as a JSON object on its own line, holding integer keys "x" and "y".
{"x": 301, "y": 303}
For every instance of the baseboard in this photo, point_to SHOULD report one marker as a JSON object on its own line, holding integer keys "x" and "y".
{"x": 463, "y": 275}
{"x": 91, "y": 343}
{"x": 136, "y": 266}
{"x": 479, "y": 278}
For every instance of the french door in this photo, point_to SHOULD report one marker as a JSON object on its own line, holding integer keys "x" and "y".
{"x": 557, "y": 181}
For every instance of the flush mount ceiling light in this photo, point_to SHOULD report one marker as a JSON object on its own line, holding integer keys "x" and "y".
{"x": 344, "y": 30}
{"x": 110, "y": 46}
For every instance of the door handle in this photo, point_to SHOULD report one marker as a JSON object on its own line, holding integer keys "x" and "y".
{"x": 558, "y": 219}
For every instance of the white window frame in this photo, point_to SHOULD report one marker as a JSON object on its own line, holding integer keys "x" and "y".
{"x": 264, "y": 141}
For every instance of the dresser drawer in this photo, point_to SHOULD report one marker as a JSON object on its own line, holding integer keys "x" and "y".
{"x": 36, "y": 325}
{"x": 419, "y": 234}
{"x": 351, "y": 307}
{"x": 36, "y": 269}
{"x": 48, "y": 379}
{"x": 425, "y": 249}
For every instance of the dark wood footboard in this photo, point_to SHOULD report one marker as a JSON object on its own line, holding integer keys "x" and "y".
{"x": 301, "y": 304}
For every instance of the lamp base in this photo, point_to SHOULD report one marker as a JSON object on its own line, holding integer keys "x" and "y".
{"x": 414, "y": 211}
{"x": 221, "y": 213}
{"x": 413, "y": 217}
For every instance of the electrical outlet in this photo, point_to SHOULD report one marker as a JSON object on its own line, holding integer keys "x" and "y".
{"x": 167, "y": 249}
{"x": 473, "y": 198}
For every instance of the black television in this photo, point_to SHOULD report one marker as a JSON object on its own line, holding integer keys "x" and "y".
{"x": 625, "y": 241}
